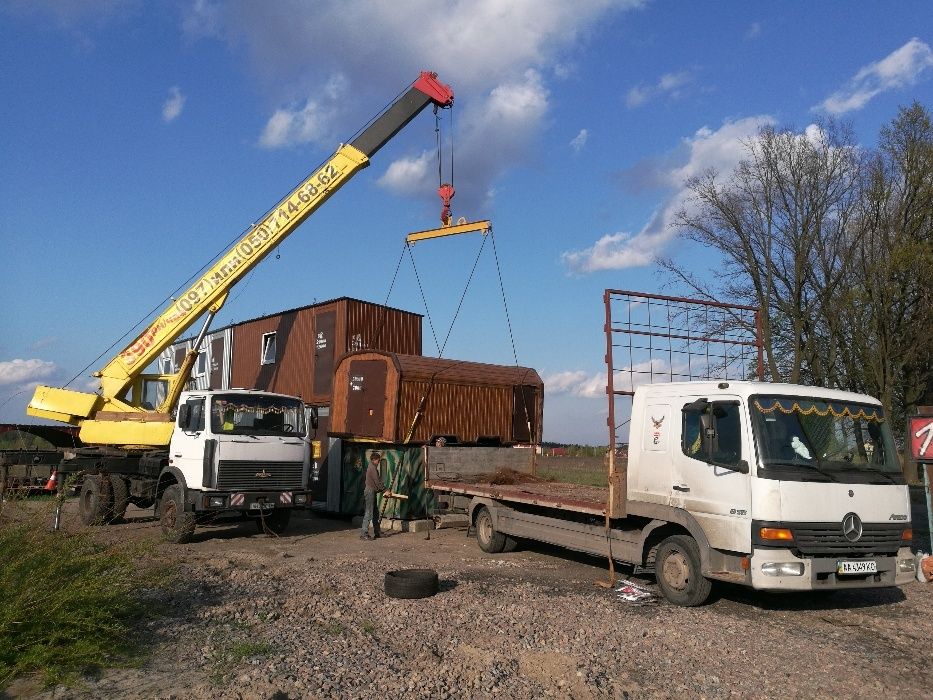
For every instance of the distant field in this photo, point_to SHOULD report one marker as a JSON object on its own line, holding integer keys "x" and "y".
{"x": 589, "y": 471}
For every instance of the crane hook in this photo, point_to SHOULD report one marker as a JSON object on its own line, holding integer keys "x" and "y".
{"x": 446, "y": 193}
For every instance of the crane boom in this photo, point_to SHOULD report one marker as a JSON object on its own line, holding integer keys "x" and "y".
{"x": 117, "y": 415}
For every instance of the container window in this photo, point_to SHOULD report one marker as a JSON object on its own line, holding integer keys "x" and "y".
{"x": 201, "y": 365}
{"x": 268, "y": 349}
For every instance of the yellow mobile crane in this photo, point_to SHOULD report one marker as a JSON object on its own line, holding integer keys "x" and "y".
{"x": 197, "y": 459}
{"x": 119, "y": 415}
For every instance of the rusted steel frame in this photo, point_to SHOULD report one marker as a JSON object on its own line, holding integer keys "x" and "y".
{"x": 761, "y": 348}
{"x": 707, "y": 339}
{"x": 687, "y": 300}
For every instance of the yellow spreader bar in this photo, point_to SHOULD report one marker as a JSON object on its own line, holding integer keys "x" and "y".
{"x": 483, "y": 226}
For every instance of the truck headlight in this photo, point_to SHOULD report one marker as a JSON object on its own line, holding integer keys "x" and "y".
{"x": 217, "y": 501}
{"x": 301, "y": 499}
{"x": 906, "y": 565}
{"x": 782, "y": 568}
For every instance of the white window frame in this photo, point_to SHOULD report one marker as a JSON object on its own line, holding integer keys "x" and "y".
{"x": 268, "y": 343}
{"x": 201, "y": 365}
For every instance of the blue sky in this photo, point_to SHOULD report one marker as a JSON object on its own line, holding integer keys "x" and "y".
{"x": 138, "y": 139}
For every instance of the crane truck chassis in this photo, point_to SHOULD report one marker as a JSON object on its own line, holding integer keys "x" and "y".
{"x": 773, "y": 486}
{"x": 185, "y": 462}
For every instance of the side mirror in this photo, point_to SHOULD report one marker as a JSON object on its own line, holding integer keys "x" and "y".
{"x": 184, "y": 414}
{"x": 312, "y": 416}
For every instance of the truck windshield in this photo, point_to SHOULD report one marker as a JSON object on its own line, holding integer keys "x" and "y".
{"x": 806, "y": 439}
{"x": 248, "y": 414}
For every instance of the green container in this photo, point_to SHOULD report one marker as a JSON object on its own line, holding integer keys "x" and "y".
{"x": 402, "y": 470}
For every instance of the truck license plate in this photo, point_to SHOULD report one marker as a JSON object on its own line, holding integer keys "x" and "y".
{"x": 261, "y": 506}
{"x": 856, "y": 567}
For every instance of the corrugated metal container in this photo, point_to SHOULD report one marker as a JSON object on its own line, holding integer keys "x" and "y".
{"x": 293, "y": 352}
{"x": 400, "y": 398}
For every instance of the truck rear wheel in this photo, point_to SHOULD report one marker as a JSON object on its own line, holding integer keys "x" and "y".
{"x": 95, "y": 501}
{"x": 677, "y": 567}
{"x": 275, "y": 522}
{"x": 177, "y": 525}
{"x": 487, "y": 538}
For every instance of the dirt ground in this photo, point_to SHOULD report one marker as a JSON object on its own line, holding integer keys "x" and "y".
{"x": 305, "y": 615}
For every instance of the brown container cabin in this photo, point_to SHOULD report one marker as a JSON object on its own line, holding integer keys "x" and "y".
{"x": 308, "y": 341}
{"x": 395, "y": 398}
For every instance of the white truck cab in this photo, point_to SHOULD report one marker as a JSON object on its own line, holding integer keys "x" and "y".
{"x": 800, "y": 485}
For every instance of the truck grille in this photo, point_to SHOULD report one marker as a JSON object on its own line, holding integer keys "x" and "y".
{"x": 827, "y": 538}
{"x": 233, "y": 475}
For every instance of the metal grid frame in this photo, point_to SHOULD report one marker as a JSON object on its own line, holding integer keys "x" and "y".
{"x": 676, "y": 339}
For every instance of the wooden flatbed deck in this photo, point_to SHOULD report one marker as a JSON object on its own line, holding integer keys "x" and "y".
{"x": 550, "y": 494}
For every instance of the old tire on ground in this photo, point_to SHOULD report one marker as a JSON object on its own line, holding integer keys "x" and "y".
{"x": 487, "y": 538}
{"x": 95, "y": 500}
{"x": 120, "y": 497}
{"x": 177, "y": 525}
{"x": 677, "y": 567}
{"x": 411, "y": 583}
{"x": 275, "y": 522}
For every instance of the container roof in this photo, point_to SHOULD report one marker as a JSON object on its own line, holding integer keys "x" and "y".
{"x": 327, "y": 302}
{"x": 422, "y": 368}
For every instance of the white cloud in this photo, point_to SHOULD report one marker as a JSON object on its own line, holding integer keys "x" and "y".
{"x": 898, "y": 69}
{"x": 409, "y": 175}
{"x": 495, "y": 132}
{"x": 720, "y": 150}
{"x": 753, "y": 31}
{"x": 576, "y": 383}
{"x": 172, "y": 107}
{"x": 202, "y": 18}
{"x": 669, "y": 84}
{"x": 24, "y": 371}
{"x": 311, "y": 122}
{"x": 486, "y": 49}
{"x": 593, "y": 386}
{"x": 579, "y": 141}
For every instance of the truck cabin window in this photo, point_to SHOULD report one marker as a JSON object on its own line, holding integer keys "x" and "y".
{"x": 191, "y": 420}
{"x": 243, "y": 414}
{"x": 815, "y": 440}
{"x": 712, "y": 432}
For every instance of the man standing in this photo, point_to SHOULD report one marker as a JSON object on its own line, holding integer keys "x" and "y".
{"x": 373, "y": 484}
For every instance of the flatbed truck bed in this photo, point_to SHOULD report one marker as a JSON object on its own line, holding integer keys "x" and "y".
{"x": 578, "y": 498}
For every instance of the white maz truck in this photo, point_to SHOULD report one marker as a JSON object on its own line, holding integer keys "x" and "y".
{"x": 773, "y": 486}
{"x": 234, "y": 450}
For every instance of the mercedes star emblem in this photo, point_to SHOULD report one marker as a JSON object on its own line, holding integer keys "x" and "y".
{"x": 852, "y": 527}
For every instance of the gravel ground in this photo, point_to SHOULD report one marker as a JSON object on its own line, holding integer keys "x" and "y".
{"x": 305, "y": 616}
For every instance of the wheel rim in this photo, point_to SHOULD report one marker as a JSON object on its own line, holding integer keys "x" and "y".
{"x": 676, "y": 571}
{"x": 484, "y": 528}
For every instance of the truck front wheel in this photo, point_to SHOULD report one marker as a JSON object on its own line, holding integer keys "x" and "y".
{"x": 95, "y": 501}
{"x": 177, "y": 525}
{"x": 121, "y": 497}
{"x": 487, "y": 538}
{"x": 677, "y": 567}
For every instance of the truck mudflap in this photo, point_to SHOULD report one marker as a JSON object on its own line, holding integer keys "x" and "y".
{"x": 781, "y": 569}
{"x": 249, "y": 501}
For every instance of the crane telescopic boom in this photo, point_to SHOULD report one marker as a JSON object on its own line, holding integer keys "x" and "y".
{"x": 119, "y": 414}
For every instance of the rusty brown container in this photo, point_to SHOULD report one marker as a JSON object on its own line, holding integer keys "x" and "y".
{"x": 399, "y": 398}
{"x": 294, "y": 352}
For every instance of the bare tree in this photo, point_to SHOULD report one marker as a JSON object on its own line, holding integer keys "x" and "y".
{"x": 780, "y": 221}
{"x": 890, "y": 313}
